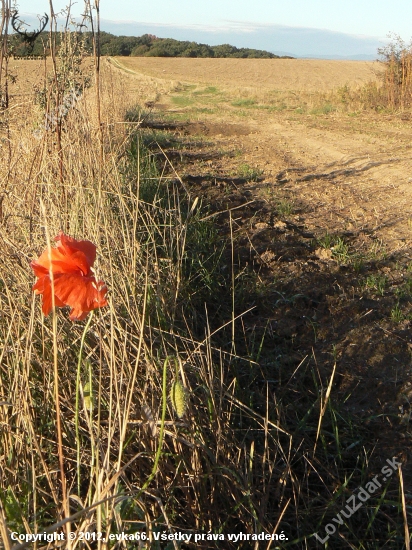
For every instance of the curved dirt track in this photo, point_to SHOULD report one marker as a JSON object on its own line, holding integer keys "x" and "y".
{"x": 357, "y": 173}
{"x": 345, "y": 175}
{"x": 353, "y": 171}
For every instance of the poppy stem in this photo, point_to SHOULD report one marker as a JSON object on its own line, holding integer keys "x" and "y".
{"x": 76, "y": 421}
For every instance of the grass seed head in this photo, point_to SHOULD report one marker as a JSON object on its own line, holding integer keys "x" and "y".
{"x": 88, "y": 396}
{"x": 178, "y": 398}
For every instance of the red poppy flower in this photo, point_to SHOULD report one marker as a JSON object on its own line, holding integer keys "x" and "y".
{"x": 73, "y": 281}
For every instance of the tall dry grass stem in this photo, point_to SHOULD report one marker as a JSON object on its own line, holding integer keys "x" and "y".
{"x": 65, "y": 502}
{"x": 78, "y": 375}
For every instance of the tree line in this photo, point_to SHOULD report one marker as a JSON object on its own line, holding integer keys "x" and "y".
{"x": 147, "y": 45}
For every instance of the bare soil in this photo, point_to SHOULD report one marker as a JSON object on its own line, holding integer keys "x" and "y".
{"x": 320, "y": 181}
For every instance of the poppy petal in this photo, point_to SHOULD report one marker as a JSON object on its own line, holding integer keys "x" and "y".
{"x": 39, "y": 270}
{"x": 74, "y": 285}
{"x": 82, "y": 294}
{"x": 44, "y": 287}
{"x": 60, "y": 263}
{"x": 70, "y": 246}
{"x": 47, "y": 259}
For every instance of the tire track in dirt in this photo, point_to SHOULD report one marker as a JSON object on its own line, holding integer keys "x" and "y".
{"x": 351, "y": 176}
{"x": 354, "y": 172}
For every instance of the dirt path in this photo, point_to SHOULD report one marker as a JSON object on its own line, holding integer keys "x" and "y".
{"x": 353, "y": 173}
{"x": 322, "y": 205}
{"x": 361, "y": 174}
{"x": 349, "y": 173}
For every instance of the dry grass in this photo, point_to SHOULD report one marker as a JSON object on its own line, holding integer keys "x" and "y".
{"x": 148, "y": 232}
{"x": 247, "y": 456}
{"x": 397, "y": 78}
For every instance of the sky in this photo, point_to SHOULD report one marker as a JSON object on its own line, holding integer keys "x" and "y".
{"x": 367, "y": 21}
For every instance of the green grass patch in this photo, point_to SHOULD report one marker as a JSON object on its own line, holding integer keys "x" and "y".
{"x": 376, "y": 283}
{"x": 209, "y": 90}
{"x": 244, "y": 103}
{"x": 325, "y": 109}
{"x": 248, "y": 172}
{"x": 182, "y": 100}
{"x": 285, "y": 207}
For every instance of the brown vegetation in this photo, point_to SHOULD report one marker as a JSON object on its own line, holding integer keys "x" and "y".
{"x": 252, "y": 369}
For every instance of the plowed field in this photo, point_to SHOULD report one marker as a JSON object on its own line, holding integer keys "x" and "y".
{"x": 280, "y": 74}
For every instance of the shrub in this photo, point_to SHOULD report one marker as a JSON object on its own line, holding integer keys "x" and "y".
{"x": 397, "y": 77}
